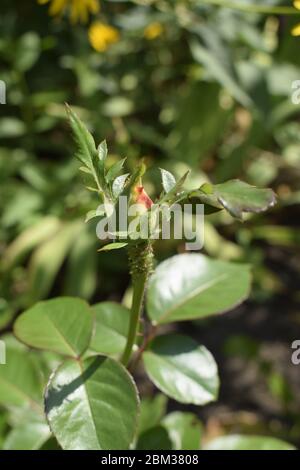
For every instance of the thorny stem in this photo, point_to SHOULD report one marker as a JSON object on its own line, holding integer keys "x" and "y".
{"x": 140, "y": 257}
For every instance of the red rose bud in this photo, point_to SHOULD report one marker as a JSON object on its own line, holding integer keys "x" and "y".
{"x": 141, "y": 197}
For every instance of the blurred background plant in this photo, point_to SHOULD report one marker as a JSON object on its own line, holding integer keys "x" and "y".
{"x": 187, "y": 85}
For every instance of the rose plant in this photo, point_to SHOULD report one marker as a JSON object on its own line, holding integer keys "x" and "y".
{"x": 91, "y": 400}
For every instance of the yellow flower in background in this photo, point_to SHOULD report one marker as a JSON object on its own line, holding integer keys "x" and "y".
{"x": 102, "y": 36}
{"x": 296, "y": 30}
{"x": 79, "y": 9}
{"x": 153, "y": 30}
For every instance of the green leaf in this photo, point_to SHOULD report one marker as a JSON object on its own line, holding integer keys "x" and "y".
{"x": 94, "y": 213}
{"x": 114, "y": 170}
{"x": 218, "y": 246}
{"x": 27, "y": 51}
{"x": 190, "y": 286}
{"x": 217, "y": 59}
{"x": 182, "y": 369}
{"x": 119, "y": 185}
{"x": 11, "y": 127}
{"x": 91, "y": 215}
{"x": 20, "y": 380}
{"x": 238, "y": 442}
{"x": 168, "y": 180}
{"x": 277, "y": 235}
{"x": 185, "y": 142}
{"x": 48, "y": 258}
{"x": 102, "y": 151}
{"x": 113, "y": 246}
{"x": 30, "y": 433}
{"x": 87, "y": 153}
{"x": 85, "y": 170}
{"x": 184, "y": 429}
{"x": 81, "y": 275}
{"x": 111, "y": 328}
{"x": 174, "y": 194}
{"x": 156, "y": 438}
{"x": 63, "y": 325}
{"x": 117, "y": 106}
{"x": 86, "y": 145}
{"x": 152, "y": 411}
{"x": 23, "y": 205}
{"x": 92, "y": 405}
{"x": 100, "y": 163}
{"x": 29, "y": 238}
{"x": 236, "y": 197}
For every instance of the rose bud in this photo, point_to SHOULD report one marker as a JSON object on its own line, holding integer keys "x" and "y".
{"x": 142, "y": 198}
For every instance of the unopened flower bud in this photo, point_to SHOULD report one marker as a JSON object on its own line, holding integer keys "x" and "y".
{"x": 142, "y": 198}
